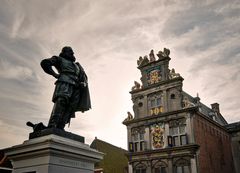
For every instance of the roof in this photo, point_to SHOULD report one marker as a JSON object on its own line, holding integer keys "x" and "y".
{"x": 233, "y": 127}
{"x": 114, "y": 160}
{"x": 205, "y": 109}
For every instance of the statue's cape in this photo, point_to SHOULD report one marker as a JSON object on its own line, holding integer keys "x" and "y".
{"x": 84, "y": 102}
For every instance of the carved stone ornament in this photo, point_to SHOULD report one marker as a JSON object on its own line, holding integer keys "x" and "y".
{"x": 129, "y": 117}
{"x": 136, "y": 86}
{"x": 187, "y": 103}
{"x": 152, "y": 56}
{"x": 173, "y": 74}
{"x": 161, "y": 55}
{"x": 143, "y": 61}
{"x": 164, "y": 54}
{"x": 176, "y": 123}
{"x": 139, "y": 61}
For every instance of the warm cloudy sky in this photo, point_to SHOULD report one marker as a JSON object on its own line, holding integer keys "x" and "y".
{"x": 108, "y": 36}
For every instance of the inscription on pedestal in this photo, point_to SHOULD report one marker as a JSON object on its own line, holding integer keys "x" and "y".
{"x": 76, "y": 164}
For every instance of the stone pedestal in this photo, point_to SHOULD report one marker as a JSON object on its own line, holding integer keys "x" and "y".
{"x": 53, "y": 154}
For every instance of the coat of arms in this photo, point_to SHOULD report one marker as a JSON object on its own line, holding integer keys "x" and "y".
{"x": 157, "y": 137}
{"x": 154, "y": 76}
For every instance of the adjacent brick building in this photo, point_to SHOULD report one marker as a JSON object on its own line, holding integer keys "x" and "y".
{"x": 171, "y": 131}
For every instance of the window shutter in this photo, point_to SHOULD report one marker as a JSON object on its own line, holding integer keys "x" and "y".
{"x": 135, "y": 146}
{"x": 130, "y": 146}
{"x": 170, "y": 141}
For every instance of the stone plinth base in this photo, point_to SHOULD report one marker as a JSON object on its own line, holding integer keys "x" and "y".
{"x": 57, "y": 132}
{"x": 53, "y": 154}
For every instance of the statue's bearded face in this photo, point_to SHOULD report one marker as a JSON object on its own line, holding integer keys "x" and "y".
{"x": 68, "y": 53}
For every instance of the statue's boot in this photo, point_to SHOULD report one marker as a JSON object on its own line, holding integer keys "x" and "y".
{"x": 53, "y": 122}
{"x": 65, "y": 119}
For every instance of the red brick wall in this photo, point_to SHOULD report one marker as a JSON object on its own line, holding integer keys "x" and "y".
{"x": 215, "y": 155}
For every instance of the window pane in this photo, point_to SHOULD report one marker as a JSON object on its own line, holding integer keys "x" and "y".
{"x": 140, "y": 170}
{"x": 176, "y": 141}
{"x": 183, "y": 140}
{"x": 171, "y": 131}
{"x": 158, "y": 101}
{"x": 157, "y": 170}
{"x": 186, "y": 169}
{"x": 179, "y": 169}
{"x": 152, "y": 103}
{"x": 141, "y": 136}
{"x": 160, "y": 170}
{"x": 163, "y": 170}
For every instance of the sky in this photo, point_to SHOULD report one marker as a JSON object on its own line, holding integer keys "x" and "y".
{"x": 108, "y": 36}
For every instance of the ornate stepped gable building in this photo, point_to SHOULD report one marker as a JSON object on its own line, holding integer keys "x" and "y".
{"x": 171, "y": 131}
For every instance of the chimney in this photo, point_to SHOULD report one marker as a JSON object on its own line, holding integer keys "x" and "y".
{"x": 215, "y": 107}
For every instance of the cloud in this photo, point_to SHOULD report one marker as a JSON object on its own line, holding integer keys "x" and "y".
{"x": 14, "y": 72}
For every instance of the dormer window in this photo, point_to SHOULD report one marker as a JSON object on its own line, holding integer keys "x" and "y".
{"x": 212, "y": 115}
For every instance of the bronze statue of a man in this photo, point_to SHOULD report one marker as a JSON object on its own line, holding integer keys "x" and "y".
{"x": 71, "y": 91}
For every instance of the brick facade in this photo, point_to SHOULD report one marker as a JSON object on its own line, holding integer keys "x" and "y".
{"x": 215, "y": 155}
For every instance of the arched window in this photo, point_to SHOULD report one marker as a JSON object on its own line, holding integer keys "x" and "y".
{"x": 182, "y": 166}
{"x": 140, "y": 168}
{"x": 160, "y": 167}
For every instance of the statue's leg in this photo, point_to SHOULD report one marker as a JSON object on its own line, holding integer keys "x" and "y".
{"x": 63, "y": 121}
{"x": 71, "y": 105}
{"x": 57, "y": 113}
